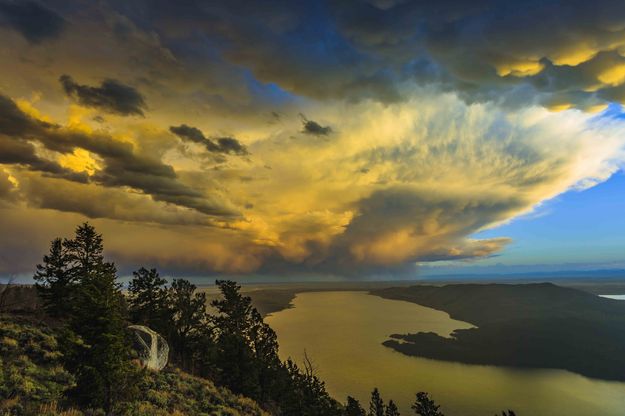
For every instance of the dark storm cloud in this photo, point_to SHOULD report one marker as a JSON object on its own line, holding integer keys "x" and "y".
{"x": 98, "y": 202}
{"x": 231, "y": 145}
{"x": 294, "y": 45}
{"x": 34, "y": 21}
{"x": 14, "y": 122}
{"x": 314, "y": 128}
{"x": 191, "y": 133}
{"x": 393, "y": 230}
{"x": 122, "y": 166}
{"x": 111, "y": 96}
{"x": 485, "y": 50}
{"x": 13, "y": 152}
{"x": 227, "y": 145}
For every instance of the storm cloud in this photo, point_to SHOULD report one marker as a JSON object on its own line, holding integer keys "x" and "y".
{"x": 314, "y": 128}
{"x": 34, "y": 21}
{"x": 446, "y": 119}
{"x": 366, "y": 49}
{"x": 227, "y": 145}
{"x": 111, "y": 96}
{"x": 122, "y": 166}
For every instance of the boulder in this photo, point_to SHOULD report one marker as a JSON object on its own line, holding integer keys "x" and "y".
{"x": 151, "y": 347}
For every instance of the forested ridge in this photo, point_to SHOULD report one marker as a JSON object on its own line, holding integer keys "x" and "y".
{"x": 75, "y": 355}
{"x": 529, "y": 325}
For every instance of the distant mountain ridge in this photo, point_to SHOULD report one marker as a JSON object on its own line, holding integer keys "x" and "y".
{"x": 481, "y": 304}
{"x": 525, "y": 325}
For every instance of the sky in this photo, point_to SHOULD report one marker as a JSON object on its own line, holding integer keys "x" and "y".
{"x": 352, "y": 139}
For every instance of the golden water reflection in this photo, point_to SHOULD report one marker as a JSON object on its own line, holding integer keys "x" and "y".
{"x": 342, "y": 332}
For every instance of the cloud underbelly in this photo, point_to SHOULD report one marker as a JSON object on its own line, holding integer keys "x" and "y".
{"x": 392, "y": 186}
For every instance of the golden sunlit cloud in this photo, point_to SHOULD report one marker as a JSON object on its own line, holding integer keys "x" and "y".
{"x": 261, "y": 151}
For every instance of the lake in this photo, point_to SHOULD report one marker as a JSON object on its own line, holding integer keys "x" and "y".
{"x": 616, "y": 297}
{"x": 342, "y": 332}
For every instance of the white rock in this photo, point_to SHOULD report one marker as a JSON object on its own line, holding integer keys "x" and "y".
{"x": 151, "y": 346}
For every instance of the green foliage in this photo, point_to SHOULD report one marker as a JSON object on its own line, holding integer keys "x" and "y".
{"x": 246, "y": 348}
{"x": 391, "y": 409}
{"x": 31, "y": 370}
{"x": 147, "y": 300}
{"x": 424, "y": 406}
{"x": 187, "y": 319}
{"x": 100, "y": 355}
{"x": 246, "y": 359}
{"x": 55, "y": 282}
{"x": 303, "y": 393}
{"x": 80, "y": 287}
{"x": 174, "y": 392}
{"x": 33, "y": 382}
{"x": 376, "y": 404}
{"x": 353, "y": 407}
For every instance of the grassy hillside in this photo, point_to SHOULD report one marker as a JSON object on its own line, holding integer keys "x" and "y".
{"x": 33, "y": 381}
{"x": 534, "y": 325}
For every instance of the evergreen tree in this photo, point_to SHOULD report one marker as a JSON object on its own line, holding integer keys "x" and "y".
{"x": 85, "y": 253}
{"x": 147, "y": 300}
{"x": 391, "y": 409}
{"x": 188, "y": 319}
{"x": 248, "y": 361}
{"x": 204, "y": 353}
{"x": 54, "y": 281}
{"x": 96, "y": 342}
{"x": 236, "y": 359}
{"x": 305, "y": 394}
{"x": 354, "y": 408}
{"x": 233, "y": 308}
{"x": 376, "y": 405}
{"x": 424, "y": 406}
{"x": 264, "y": 345}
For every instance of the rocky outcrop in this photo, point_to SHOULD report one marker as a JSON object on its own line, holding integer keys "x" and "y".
{"x": 151, "y": 347}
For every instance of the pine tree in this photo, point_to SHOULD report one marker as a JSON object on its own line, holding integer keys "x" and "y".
{"x": 54, "y": 281}
{"x": 188, "y": 318}
{"x": 424, "y": 406}
{"x": 85, "y": 253}
{"x": 264, "y": 345}
{"x": 147, "y": 300}
{"x": 236, "y": 358}
{"x": 233, "y": 308}
{"x": 376, "y": 405}
{"x": 305, "y": 394}
{"x": 354, "y": 408}
{"x": 391, "y": 409}
{"x": 97, "y": 345}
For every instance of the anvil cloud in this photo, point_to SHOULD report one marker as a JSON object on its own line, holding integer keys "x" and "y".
{"x": 333, "y": 137}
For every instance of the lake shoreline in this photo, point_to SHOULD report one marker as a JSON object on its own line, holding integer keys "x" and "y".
{"x": 541, "y": 326}
{"x": 343, "y": 331}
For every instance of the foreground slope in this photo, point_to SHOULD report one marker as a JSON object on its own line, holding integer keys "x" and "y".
{"x": 33, "y": 381}
{"x": 532, "y": 325}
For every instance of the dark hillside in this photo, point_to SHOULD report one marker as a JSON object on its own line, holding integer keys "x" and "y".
{"x": 534, "y": 325}
{"x": 485, "y": 303}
